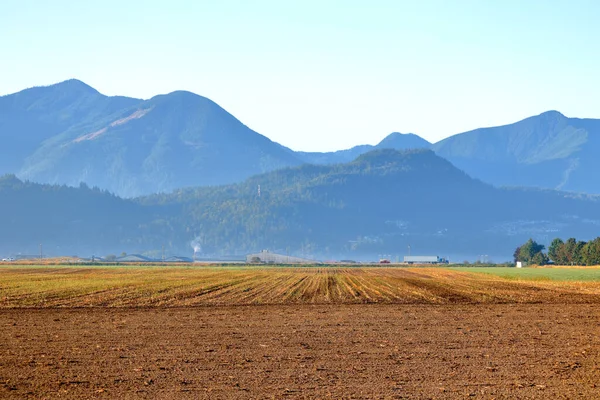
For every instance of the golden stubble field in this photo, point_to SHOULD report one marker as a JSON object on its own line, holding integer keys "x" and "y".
{"x": 131, "y": 286}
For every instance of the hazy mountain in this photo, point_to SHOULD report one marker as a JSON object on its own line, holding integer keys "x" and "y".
{"x": 403, "y": 141}
{"x": 378, "y": 204}
{"x": 30, "y": 117}
{"x": 69, "y": 133}
{"x": 395, "y": 140}
{"x": 545, "y": 151}
{"x": 548, "y": 150}
{"x": 66, "y": 220}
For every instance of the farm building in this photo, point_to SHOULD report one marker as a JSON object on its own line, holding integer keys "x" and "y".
{"x": 425, "y": 260}
{"x": 267, "y": 257}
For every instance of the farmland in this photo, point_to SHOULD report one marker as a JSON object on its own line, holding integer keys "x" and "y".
{"x": 582, "y": 274}
{"x": 278, "y": 332}
{"x": 134, "y": 286}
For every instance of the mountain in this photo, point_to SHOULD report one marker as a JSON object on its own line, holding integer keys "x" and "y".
{"x": 548, "y": 151}
{"x": 69, "y": 133}
{"x": 379, "y": 203}
{"x": 66, "y": 220}
{"x": 395, "y": 140}
{"x": 403, "y": 141}
{"x": 30, "y": 117}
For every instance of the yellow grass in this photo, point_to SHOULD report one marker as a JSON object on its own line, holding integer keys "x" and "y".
{"x": 69, "y": 286}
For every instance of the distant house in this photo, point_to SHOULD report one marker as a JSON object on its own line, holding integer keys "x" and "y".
{"x": 425, "y": 260}
{"x": 266, "y": 257}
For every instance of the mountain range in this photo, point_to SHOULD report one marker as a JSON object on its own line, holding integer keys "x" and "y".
{"x": 69, "y": 133}
{"x": 545, "y": 151}
{"x": 380, "y": 203}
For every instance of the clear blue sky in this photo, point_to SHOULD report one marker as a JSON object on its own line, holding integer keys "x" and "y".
{"x": 320, "y": 75}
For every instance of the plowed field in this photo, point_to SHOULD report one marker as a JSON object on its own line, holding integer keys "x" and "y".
{"x": 247, "y": 333}
{"x": 303, "y": 351}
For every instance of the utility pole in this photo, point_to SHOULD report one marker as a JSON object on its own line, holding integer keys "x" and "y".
{"x": 41, "y": 252}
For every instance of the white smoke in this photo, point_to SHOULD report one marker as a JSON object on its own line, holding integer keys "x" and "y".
{"x": 197, "y": 245}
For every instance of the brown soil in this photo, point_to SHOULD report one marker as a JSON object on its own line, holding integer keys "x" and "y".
{"x": 303, "y": 351}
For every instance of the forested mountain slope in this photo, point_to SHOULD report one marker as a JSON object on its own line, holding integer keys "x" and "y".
{"x": 380, "y": 203}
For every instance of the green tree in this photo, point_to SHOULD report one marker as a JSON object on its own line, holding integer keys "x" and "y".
{"x": 516, "y": 254}
{"x": 539, "y": 259}
{"x": 555, "y": 251}
{"x": 579, "y": 255}
{"x": 573, "y": 252}
{"x": 591, "y": 252}
{"x": 529, "y": 251}
{"x": 569, "y": 250}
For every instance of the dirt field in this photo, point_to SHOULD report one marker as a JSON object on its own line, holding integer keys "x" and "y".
{"x": 302, "y": 351}
{"x": 253, "y": 333}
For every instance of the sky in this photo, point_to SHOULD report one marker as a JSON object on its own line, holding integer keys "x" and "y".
{"x": 320, "y": 75}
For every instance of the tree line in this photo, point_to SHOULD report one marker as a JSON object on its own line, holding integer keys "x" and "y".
{"x": 569, "y": 252}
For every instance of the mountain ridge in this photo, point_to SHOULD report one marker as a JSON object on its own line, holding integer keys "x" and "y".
{"x": 379, "y": 203}
{"x": 70, "y": 133}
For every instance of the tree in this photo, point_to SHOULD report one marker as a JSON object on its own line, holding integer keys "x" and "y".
{"x": 570, "y": 250}
{"x": 539, "y": 259}
{"x": 529, "y": 251}
{"x": 591, "y": 252}
{"x": 579, "y": 256}
{"x": 555, "y": 251}
{"x": 517, "y": 253}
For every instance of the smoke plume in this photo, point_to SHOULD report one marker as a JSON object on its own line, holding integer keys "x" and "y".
{"x": 196, "y": 245}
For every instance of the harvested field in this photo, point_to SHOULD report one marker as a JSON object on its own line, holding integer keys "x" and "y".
{"x": 247, "y": 333}
{"x": 26, "y": 286}
{"x": 370, "y": 351}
